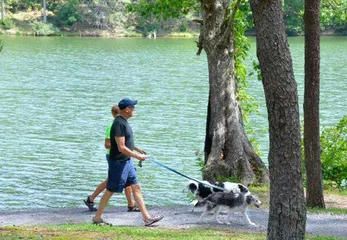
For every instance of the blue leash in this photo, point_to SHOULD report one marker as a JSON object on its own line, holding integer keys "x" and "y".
{"x": 183, "y": 175}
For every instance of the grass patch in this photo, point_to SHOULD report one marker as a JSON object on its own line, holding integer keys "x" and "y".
{"x": 335, "y": 200}
{"x": 262, "y": 191}
{"x": 331, "y": 210}
{"x": 336, "y": 192}
{"x": 88, "y": 231}
{"x": 181, "y": 35}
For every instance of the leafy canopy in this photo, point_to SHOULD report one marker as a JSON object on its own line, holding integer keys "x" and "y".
{"x": 164, "y": 8}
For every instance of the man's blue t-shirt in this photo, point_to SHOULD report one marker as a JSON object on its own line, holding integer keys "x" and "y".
{"x": 120, "y": 128}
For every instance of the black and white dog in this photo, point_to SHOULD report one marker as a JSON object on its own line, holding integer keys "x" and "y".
{"x": 235, "y": 202}
{"x": 203, "y": 189}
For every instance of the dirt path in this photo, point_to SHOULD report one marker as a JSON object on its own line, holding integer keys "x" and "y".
{"x": 174, "y": 217}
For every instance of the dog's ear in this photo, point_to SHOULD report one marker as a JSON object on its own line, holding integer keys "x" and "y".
{"x": 219, "y": 184}
{"x": 242, "y": 188}
{"x": 192, "y": 187}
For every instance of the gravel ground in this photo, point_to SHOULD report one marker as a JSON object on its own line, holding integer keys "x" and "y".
{"x": 174, "y": 217}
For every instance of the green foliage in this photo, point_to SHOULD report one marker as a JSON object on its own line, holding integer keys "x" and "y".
{"x": 293, "y": 12}
{"x": 164, "y": 9}
{"x": 22, "y": 5}
{"x": 1, "y": 45}
{"x": 228, "y": 179}
{"x": 130, "y": 32}
{"x": 164, "y": 16}
{"x": 334, "y": 15}
{"x": 42, "y": 29}
{"x": 256, "y": 70}
{"x": 68, "y": 13}
{"x": 334, "y": 154}
{"x": 242, "y": 45}
{"x": 200, "y": 160}
{"x": 183, "y": 25}
{"x": 8, "y": 23}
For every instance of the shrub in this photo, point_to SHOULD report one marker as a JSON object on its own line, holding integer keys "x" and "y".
{"x": 43, "y": 29}
{"x": 8, "y": 23}
{"x": 68, "y": 13}
{"x": 1, "y": 45}
{"x": 334, "y": 154}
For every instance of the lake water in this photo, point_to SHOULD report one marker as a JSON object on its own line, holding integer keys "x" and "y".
{"x": 56, "y": 94}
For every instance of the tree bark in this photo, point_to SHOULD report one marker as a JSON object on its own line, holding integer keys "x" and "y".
{"x": 287, "y": 216}
{"x": 313, "y": 165}
{"x": 44, "y": 12}
{"x": 228, "y": 151}
{"x": 2, "y": 10}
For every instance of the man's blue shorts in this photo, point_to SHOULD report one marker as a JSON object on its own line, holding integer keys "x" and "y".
{"x": 121, "y": 174}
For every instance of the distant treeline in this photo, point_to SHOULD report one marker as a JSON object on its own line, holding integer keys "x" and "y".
{"x": 113, "y": 16}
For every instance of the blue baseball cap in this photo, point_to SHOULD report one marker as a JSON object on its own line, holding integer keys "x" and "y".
{"x": 126, "y": 102}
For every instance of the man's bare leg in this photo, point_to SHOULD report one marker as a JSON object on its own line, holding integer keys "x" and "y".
{"x": 128, "y": 193}
{"x": 136, "y": 189}
{"x": 101, "y": 187}
{"x": 103, "y": 202}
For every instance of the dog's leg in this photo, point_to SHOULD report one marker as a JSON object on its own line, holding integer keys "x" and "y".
{"x": 203, "y": 215}
{"x": 193, "y": 204}
{"x": 228, "y": 217}
{"x": 216, "y": 214}
{"x": 245, "y": 215}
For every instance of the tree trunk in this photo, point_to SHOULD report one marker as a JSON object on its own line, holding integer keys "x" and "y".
{"x": 2, "y": 10}
{"x": 313, "y": 165}
{"x": 287, "y": 216}
{"x": 44, "y": 12}
{"x": 228, "y": 152}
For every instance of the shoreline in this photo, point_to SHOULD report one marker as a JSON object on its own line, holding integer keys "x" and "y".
{"x": 98, "y": 33}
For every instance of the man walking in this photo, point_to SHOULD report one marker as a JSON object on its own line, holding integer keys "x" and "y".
{"x": 121, "y": 171}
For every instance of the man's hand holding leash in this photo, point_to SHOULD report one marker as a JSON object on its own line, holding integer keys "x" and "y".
{"x": 142, "y": 156}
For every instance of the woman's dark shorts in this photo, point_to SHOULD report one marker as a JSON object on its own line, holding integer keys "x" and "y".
{"x": 121, "y": 174}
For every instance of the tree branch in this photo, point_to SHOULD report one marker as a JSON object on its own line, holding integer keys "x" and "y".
{"x": 198, "y": 21}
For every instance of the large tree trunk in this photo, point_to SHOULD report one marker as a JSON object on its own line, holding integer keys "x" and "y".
{"x": 228, "y": 152}
{"x": 313, "y": 165}
{"x": 2, "y": 10}
{"x": 287, "y": 217}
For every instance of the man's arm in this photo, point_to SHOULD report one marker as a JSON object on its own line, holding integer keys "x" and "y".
{"x": 126, "y": 151}
{"x": 140, "y": 150}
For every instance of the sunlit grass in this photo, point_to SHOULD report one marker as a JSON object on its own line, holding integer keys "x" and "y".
{"x": 263, "y": 193}
{"x": 84, "y": 231}
{"x": 328, "y": 210}
{"x": 336, "y": 191}
{"x": 181, "y": 35}
{"x": 88, "y": 231}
